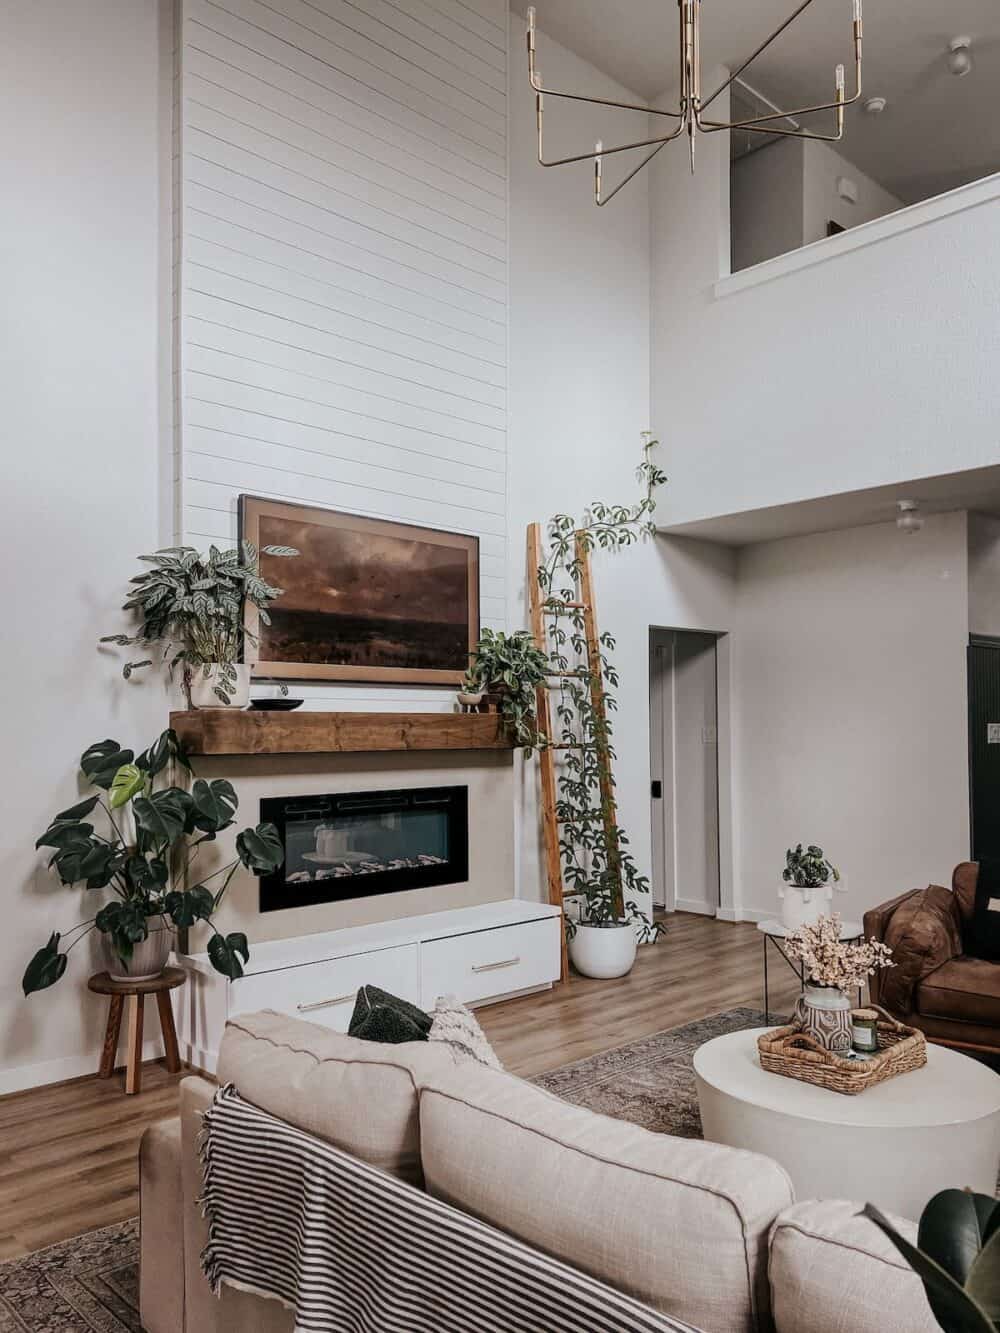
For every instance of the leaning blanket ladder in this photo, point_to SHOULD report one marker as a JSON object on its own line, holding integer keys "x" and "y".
{"x": 543, "y": 607}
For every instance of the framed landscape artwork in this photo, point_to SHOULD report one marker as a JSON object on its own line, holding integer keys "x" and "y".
{"x": 365, "y": 599}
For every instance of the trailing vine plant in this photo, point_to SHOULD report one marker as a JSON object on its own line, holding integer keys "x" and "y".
{"x": 597, "y": 863}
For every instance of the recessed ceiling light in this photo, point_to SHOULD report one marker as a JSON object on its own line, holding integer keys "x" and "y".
{"x": 875, "y": 106}
{"x": 908, "y": 516}
{"x": 960, "y": 59}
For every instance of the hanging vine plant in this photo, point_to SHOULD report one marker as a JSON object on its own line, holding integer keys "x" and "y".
{"x": 597, "y": 863}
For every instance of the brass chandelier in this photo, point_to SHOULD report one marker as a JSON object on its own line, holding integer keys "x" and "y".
{"x": 691, "y": 107}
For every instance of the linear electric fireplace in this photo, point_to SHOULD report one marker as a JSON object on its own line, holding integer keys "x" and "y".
{"x": 358, "y": 844}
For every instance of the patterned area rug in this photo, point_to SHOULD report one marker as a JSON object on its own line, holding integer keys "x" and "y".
{"x": 91, "y": 1284}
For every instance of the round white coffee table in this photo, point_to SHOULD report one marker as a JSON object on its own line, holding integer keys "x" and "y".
{"x": 895, "y": 1145}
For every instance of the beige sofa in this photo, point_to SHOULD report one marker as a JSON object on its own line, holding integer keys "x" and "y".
{"x": 708, "y": 1234}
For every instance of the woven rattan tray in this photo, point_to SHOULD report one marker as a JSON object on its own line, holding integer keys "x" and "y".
{"x": 790, "y": 1052}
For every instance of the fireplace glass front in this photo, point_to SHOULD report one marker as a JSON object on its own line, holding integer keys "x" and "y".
{"x": 358, "y": 844}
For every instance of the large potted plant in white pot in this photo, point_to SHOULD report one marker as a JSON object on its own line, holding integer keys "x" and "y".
{"x": 192, "y": 611}
{"x": 144, "y": 858}
{"x": 598, "y": 867}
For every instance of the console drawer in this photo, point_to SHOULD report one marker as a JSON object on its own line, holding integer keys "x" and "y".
{"x": 325, "y": 992}
{"x": 488, "y": 963}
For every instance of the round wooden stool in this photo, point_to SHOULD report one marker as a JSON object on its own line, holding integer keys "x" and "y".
{"x": 135, "y": 992}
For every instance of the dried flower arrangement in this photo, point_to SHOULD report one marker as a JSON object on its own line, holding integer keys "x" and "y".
{"x": 830, "y": 961}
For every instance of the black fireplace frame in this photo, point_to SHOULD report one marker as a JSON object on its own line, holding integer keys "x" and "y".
{"x": 276, "y": 895}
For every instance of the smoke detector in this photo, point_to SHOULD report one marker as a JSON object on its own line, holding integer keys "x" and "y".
{"x": 876, "y": 105}
{"x": 909, "y": 519}
{"x": 960, "y": 56}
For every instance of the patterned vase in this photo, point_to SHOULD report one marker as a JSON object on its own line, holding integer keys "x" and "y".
{"x": 824, "y": 1014}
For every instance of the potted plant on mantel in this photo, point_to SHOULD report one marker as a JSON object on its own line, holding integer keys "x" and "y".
{"x": 145, "y": 858}
{"x": 194, "y": 605}
{"x": 507, "y": 670}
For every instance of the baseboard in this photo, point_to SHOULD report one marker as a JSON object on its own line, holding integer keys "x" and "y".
{"x": 745, "y": 914}
{"x": 22, "y": 1077}
{"x": 199, "y": 1060}
{"x": 693, "y": 905}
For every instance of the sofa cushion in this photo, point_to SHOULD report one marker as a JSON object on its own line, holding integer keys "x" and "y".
{"x": 832, "y": 1271}
{"x": 923, "y": 933}
{"x": 679, "y": 1224}
{"x": 966, "y": 990}
{"x": 359, "y": 1095}
{"x": 161, "y": 1222}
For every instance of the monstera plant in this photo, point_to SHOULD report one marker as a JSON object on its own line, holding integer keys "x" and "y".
{"x": 146, "y": 854}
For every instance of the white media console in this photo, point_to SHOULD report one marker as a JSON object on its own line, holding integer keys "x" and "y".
{"x": 479, "y": 954}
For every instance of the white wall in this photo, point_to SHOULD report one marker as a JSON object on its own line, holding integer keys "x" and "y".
{"x": 767, "y": 203}
{"x": 823, "y": 166}
{"x": 344, "y": 275}
{"x": 81, "y": 349}
{"x": 875, "y": 366}
{"x": 984, "y": 574}
{"x": 852, "y": 708}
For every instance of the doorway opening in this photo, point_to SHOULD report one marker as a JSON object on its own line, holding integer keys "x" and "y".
{"x": 689, "y": 721}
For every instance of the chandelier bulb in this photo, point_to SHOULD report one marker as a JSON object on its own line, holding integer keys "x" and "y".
{"x": 857, "y": 11}
{"x": 531, "y": 18}
{"x": 841, "y": 77}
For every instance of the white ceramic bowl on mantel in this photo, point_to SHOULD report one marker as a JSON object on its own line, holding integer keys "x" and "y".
{"x": 202, "y": 687}
{"x": 603, "y": 951}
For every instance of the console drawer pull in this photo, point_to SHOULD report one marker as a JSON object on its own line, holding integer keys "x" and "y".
{"x": 495, "y": 967}
{"x": 324, "y": 1004}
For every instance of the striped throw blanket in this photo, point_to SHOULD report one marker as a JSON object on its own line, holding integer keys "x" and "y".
{"x": 349, "y": 1248}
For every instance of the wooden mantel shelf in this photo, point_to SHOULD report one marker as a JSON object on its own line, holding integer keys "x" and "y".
{"x": 220, "y": 731}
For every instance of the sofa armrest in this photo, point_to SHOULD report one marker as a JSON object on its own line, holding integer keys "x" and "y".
{"x": 161, "y": 1251}
{"x": 832, "y": 1271}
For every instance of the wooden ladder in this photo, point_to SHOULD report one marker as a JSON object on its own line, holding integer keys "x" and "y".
{"x": 541, "y": 606}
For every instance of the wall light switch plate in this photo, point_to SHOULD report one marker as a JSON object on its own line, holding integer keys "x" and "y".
{"x": 710, "y": 735}
{"x": 993, "y": 733}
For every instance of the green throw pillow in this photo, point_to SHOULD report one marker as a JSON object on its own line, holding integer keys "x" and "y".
{"x": 379, "y": 1016}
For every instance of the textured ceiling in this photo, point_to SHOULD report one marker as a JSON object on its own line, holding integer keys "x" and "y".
{"x": 937, "y": 132}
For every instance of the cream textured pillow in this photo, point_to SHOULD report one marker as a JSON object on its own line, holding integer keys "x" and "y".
{"x": 457, "y": 1028}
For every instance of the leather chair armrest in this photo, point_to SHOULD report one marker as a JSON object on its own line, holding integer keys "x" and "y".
{"x": 876, "y": 920}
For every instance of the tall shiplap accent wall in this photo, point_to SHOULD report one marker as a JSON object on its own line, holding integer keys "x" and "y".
{"x": 342, "y": 336}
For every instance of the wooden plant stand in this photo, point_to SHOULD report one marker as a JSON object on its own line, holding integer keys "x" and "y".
{"x": 135, "y": 993}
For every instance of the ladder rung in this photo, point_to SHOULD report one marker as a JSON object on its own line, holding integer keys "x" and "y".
{"x": 573, "y": 745}
{"x": 567, "y": 675}
{"x": 556, "y": 604}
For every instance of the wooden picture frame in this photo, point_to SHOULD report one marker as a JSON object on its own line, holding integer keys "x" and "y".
{"x": 343, "y": 616}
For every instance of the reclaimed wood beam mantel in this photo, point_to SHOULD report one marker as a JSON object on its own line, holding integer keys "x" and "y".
{"x": 231, "y": 732}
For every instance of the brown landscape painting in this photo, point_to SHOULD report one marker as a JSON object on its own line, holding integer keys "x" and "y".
{"x": 365, "y": 599}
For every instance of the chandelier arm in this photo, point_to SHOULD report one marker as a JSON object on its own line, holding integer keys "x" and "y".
{"x": 759, "y": 51}
{"x": 785, "y": 115}
{"x": 539, "y": 87}
{"x": 607, "y": 152}
{"x": 713, "y": 127}
{"x": 606, "y": 199}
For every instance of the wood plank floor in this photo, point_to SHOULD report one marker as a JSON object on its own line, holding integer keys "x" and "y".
{"x": 68, "y": 1152}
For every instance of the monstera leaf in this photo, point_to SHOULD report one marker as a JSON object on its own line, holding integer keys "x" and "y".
{"x": 129, "y": 781}
{"x": 185, "y": 908}
{"x": 102, "y": 761}
{"x": 166, "y": 747}
{"x": 225, "y": 953}
{"x": 45, "y": 968}
{"x": 162, "y": 816}
{"x": 260, "y": 849}
{"x": 214, "y": 805}
{"x": 957, "y": 1257}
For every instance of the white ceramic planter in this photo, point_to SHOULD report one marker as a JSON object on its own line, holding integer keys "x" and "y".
{"x": 801, "y": 906}
{"x": 603, "y": 951}
{"x": 202, "y": 688}
{"x": 149, "y": 956}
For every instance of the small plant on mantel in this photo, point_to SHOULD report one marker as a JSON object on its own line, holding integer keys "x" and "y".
{"x": 193, "y": 605}
{"x": 146, "y": 857}
{"x": 510, "y": 667}
{"x": 597, "y": 864}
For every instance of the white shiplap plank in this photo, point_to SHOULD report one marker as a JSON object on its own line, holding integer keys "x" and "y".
{"x": 219, "y": 54}
{"x": 342, "y": 285}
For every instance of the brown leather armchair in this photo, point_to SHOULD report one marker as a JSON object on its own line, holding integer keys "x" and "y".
{"x": 935, "y": 986}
